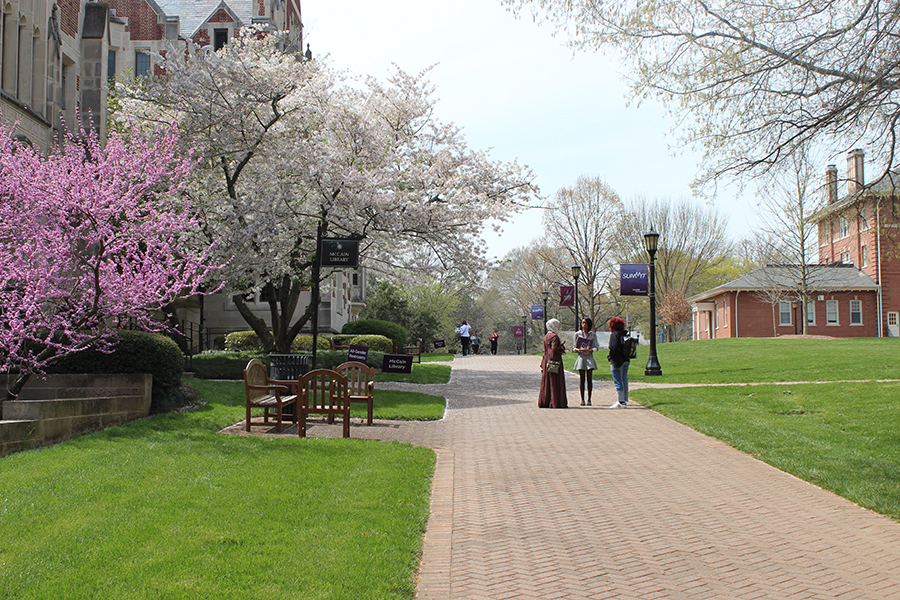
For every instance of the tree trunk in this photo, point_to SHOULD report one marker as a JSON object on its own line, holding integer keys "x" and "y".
{"x": 12, "y": 391}
{"x": 282, "y": 305}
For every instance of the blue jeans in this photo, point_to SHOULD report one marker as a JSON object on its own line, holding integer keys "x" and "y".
{"x": 620, "y": 379}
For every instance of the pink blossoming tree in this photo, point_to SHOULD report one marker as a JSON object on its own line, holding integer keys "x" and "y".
{"x": 89, "y": 236}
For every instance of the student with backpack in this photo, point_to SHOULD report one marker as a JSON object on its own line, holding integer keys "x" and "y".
{"x": 619, "y": 359}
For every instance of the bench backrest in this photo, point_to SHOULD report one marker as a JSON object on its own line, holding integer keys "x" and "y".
{"x": 255, "y": 374}
{"x": 323, "y": 389}
{"x": 360, "y": 377}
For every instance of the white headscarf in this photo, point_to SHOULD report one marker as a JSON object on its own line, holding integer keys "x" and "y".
{"x": 553, "y": 325}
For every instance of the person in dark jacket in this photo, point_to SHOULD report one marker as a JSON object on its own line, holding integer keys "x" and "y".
{"x": 618, "y": 364}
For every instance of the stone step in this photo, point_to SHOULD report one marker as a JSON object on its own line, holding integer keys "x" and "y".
{"x": 17, "y": 435}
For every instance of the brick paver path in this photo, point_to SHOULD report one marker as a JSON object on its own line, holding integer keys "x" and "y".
{"x": 599, "y": 503}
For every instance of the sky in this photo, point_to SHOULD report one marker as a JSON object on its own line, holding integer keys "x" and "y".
{"x": 521, "y": 93}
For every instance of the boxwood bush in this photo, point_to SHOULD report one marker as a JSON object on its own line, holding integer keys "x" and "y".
{"x": 137, "y": 352}
{"x": 397, "y": 333}
{"x": 224, "y": 364}
{"x": 238, "y": 341}
{"x": 302, "y": 344}
{"x": 377, "y": 343}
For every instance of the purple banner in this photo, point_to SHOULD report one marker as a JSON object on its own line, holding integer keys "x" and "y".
{"x": 537, "y": 313}
{"x": 357, "y": 354}
{"x": 518, "y": 331}
{"x": 633, "y": 280}
{"x": 396, "y": 363}
{"x": 567, "y": 295}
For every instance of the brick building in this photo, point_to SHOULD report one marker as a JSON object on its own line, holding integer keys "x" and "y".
{"x": 854, "y": 291}
{"x": 56, "y": 57}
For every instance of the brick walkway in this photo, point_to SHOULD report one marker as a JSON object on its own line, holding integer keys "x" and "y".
{"x": 598, "y": 503}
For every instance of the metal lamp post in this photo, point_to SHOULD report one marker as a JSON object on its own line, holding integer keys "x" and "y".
{"x": 651, "y": 239}
{"x": 545, "y": 295}
{"x": 576, "y": 272}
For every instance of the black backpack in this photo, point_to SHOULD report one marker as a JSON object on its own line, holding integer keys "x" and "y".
{"x": 629, "y": 346}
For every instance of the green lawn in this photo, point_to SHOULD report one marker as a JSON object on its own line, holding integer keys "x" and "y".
{"x": 843, "y": 437}
{"x": 746, "y": 360}
{"x": 167, "y": 508}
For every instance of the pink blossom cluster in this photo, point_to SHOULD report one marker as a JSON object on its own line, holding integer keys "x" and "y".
{"x": 91, "y": 235}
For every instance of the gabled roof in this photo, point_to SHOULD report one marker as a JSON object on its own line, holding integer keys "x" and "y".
{"x": 889, "y": 185}
{"x": 192, "y": 14}
{"x": 822, "y": 278}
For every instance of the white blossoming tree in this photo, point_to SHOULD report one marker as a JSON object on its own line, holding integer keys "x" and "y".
{"x": 289, "y": 146}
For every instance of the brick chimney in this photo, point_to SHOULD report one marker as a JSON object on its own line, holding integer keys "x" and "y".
{"x": 855, "y": 174}
{"x": 831, "y": 184}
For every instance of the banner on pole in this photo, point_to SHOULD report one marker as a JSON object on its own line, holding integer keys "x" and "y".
{"x": 537, "y": 313}
{"x": 567, "y": 295}
{"x": 518, "y": 331}
{"x": 634, "y": 279}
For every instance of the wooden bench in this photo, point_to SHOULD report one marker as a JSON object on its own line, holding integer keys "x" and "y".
{"x": 265, "y": 393}
{"x": 361, "y": 381}
{"x": 325, "y": 392}
{"x": 415, "y": 351}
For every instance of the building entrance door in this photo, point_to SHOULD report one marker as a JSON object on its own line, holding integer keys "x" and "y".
{"x": 893, "y": 320}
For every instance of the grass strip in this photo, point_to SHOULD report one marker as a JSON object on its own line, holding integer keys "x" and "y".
{"x": 843, "y": 437}
{"x": 166, "y": 508}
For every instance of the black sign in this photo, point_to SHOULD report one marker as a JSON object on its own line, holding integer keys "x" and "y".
{"x": 396, "y": 363}
{"x": 439, "y": 344}
{"x": 357, "y": 354}
{"x": 340, "y": 253}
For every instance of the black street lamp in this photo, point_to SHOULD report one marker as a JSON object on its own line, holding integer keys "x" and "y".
{"x": 576, "y": 272}
{"x": 651, "y": 238}
{"x": 545, "y": 295}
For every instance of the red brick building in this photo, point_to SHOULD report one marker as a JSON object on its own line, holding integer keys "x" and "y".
{"x": 854, "y": 291}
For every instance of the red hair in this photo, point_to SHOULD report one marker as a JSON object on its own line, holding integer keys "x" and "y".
{"x": 616, "y": 323}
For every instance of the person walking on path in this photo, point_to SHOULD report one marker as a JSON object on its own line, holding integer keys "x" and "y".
{"x": 464, "y": 332}
{"x": 618, "y": 364}
{"x": 553, "y": 385}
{"x": 494, "y": 338}
{"x": 585, "y": 345}
{"x": 476, "y": 342}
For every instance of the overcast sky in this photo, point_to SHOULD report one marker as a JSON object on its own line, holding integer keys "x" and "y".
{"x": 515, "y": 88}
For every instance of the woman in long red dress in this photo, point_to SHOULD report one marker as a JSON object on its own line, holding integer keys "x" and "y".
{"x": 553, "y": 385}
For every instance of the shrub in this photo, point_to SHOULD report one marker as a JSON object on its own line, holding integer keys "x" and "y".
{"x": 397, "y": 333}
{"x": 223, "y": 365}
{"x": 342, "y": 339}
{"x": 378, "y": 343}
{"x": 238, "y": 341}
{"x": 136, "y": 352}
{"x": 303, "y": 344}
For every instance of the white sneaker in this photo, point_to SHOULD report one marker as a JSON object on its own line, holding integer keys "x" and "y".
{"x": 618, "y": 405}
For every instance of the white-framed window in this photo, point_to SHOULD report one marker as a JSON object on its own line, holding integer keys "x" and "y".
{"x": 863, "y": 221}
{"x": 864, "y": 256}
{"x": 845, "y": 226}
{"x": 725, "y": 312}
{"x": 141, "y": 63}
{"x": 784, "y": 313}
{"x": 811, "y": 312}
{"x": 845, "y": 258}
{"x": 831, "y": 312}
{"x": 856, "y": 312}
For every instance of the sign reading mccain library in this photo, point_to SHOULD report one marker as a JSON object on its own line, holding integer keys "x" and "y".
{"x": 340, "y": 253}
{"x": 633, "y": 280}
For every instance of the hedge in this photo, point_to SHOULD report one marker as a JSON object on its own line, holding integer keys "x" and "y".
{"x": 376, "y": 343}
{"x": 136, "y": 352}
{"x": 242, "y": 341}
{"x": 397, "y": 333}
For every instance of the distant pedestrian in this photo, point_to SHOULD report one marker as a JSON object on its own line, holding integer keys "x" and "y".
{"x": 476, "y": 342}
{"x": 464, "y": 332}
{"x": 494, "y": 338}
{"x": 618, "y": 363}
{"x": 585, "y": 345}
{"x": 553, "y": 376}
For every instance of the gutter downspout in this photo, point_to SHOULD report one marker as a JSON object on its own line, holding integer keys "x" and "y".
{"x": 878, "y": 251}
